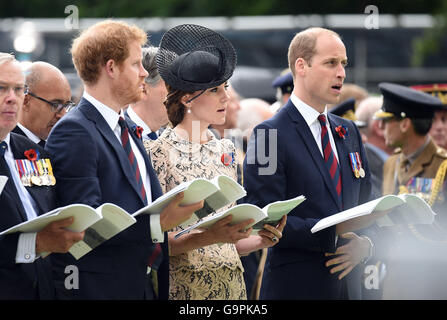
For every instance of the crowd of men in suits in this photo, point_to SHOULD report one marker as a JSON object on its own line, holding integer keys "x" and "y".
{"x": 87, "y": 150}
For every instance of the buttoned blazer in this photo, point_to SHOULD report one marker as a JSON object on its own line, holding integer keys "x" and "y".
{"x": 23, "y": 280}
{"x": 295, "y": 267}
{"x": 92, "y": 167}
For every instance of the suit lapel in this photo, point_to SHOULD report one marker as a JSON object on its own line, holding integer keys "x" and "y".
{"x": 93, "y": 115}
{"x": 10, "y": 189}
{"x": 306, "y": 135}
{"x": 343, "y": 155}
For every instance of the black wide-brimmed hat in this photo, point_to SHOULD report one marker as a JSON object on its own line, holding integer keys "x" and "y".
{"x": 192, "y": 58}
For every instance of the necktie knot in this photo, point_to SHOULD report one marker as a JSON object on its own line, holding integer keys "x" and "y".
{"x": 153, "y": 136}
{"x": 322, "y": 119}
{"x": 3, "y": 148}
{"x": 122, "y": 123}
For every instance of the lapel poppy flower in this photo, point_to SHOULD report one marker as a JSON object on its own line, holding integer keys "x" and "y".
{"x": 32, "y": 154}
{"x": 227, "y": 158}
{"x": 138, "y": 131}
{"x": 342, "y": 131}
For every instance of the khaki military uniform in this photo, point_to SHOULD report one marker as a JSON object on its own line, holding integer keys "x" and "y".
{"x": 416, "y": 256}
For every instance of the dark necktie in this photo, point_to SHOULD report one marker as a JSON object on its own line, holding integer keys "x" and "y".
{"x": 156, "y": 255}
{"x": 329, "y": 156}
{"x": 153, "y": 136}
{"x": 4, "y": 169}
{"x": 41, "y": 143}
{"x": 131, "y": 157}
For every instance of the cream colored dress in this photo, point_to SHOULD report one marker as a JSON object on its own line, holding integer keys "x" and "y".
{"x": 211, "y": 272}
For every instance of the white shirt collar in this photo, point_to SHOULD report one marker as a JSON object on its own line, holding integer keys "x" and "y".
{"x": 309, "y": 114}
{"x": 107, "y": 113}
{"x": 138, "y": 121}
{"x": 29, "y": 134}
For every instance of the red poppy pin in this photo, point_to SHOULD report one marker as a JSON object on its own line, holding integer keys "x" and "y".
{"x": 342, "y": 131}
{"x": 32, "y": 154}
{"x": 138, "y": 131}
{"x": 227, "y": 158}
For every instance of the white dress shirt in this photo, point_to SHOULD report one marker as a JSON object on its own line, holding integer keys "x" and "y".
{"x": 111, "y": 117}
{"x": 29, "y": 134}
{"x": 310, "y": 115}
{"x": 139, "y": 122}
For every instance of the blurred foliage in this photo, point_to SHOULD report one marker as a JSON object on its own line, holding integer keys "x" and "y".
{"x": 432, "y": 39}
{"x": 193, "y": 8}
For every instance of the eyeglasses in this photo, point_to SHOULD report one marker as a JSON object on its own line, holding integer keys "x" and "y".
{"x": 19, "y": 91}
{"x": 55, "y": 106}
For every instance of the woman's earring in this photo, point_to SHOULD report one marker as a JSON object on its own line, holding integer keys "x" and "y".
{"x": 188, "y": 109}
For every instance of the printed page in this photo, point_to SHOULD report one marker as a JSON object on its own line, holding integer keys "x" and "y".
{"x": 229, "y": 191}
{"x": 3, "y": 180}
{"x": 84, "y": 215}
{"x": 420, "y": 212}
{"x": 378, "y": 205}
{"x": 113, "y": 222}
{"x": 194, "y": 191}
{"x": 240, "y": 213}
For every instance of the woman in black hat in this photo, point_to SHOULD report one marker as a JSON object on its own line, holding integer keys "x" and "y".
{"x": 196, "y": 63}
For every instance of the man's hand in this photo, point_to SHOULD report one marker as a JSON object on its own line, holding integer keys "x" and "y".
{"x": 348, "y": 255}
{"x": 56, "y": 238}
{"x": 174, "y": 214}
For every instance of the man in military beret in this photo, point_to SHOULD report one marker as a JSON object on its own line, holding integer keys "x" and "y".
{"x": 416, "y": 256}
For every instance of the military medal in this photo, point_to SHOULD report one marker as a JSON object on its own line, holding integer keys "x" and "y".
{"x": 50, "y": 172}
{"x": 354, "y": 164}
{"x": 359, "y": 162}
{"x": 35, "y": 178}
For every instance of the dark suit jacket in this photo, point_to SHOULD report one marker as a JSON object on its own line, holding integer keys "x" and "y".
{"x": 295, "y": 268}
{"x": 92, "y": 168}
{"x": 23, "y": 280}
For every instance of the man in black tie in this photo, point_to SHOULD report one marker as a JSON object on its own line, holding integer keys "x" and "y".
{"x": 24, "y": 273}
{"x": 47, "y": 100}
{"x": 150, "y": 113}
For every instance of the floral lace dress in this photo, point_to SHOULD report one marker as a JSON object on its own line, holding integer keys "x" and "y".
{"x": 211, "y": 272}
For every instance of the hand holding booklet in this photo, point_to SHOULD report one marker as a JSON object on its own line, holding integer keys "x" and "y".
{"x": 107, "y": 220}
{"x": 415, "y": 211}
{"x": 270, "y": 214}
{"x": 100, "y": 224}
{"x": 217, "y": 193}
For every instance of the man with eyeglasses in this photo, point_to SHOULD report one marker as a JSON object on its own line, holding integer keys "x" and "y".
{"x": 24, "y": 273}
{"x": 47, "y": 99}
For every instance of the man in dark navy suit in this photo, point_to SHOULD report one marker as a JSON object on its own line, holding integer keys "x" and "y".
{"x": 24, "y": 274}
{"x": 303, "y": 150}
{"x": 99, "y": 158}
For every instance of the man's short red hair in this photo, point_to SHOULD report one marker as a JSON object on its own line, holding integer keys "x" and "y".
{"x": 100, "y": 43}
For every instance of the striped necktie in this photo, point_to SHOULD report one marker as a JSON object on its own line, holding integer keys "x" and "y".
{"x": 329, "y": 156}
{"x": 131, "y": 157}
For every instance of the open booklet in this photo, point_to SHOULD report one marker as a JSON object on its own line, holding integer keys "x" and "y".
{"x": 107, "y": 220}
{"x": 3, "y": 180}
{"x": 270, "y": 214}
{"x": 414, "y": 211}
{"x": 217, "y": 193}
{"x": 100, "y": 224}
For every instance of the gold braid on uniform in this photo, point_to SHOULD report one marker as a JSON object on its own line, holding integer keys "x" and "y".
{"x": 437, "y": 185}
